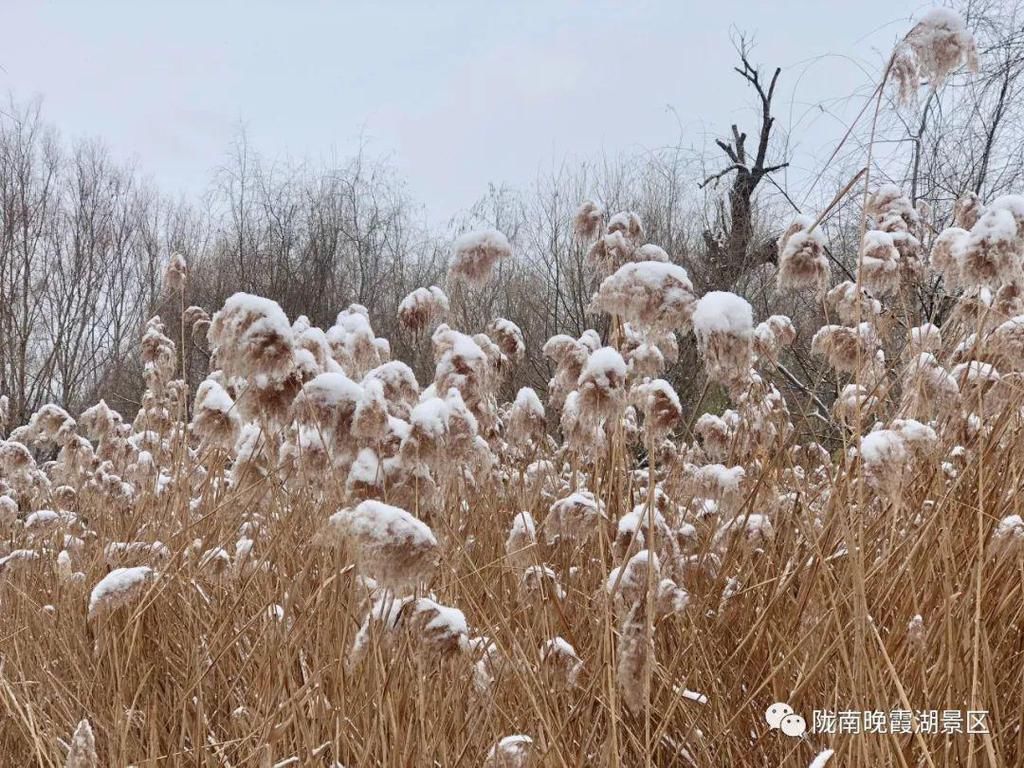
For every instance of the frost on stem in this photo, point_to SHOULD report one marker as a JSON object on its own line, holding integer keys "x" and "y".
{"x": 510, "y": 752}
{"x": 393, "y": 547}
{"x": 802, "y": 259}
{"x": 82, "y": 749}
{"x": 648, "y": 294}
{"x": 475, "y": 254}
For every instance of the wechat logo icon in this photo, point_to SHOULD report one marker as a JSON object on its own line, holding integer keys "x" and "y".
{"x": 782, "y": 717}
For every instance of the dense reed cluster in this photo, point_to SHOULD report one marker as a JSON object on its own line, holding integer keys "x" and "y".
{"x": 317, "y": 559}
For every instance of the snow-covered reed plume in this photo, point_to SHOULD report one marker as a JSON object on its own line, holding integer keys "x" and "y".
{"x": 393, "y": 547}
{"x": 82, "y": 749}
{"x": 648, "y": 294}
{"x": 120, "y": 587}
{"x": 475, "y": 254}
{"x": 994, "y": 248}
{"x": 602, "y": 386}
{"x": 574, "y": 518}
{"x": 937, "y": 46}
{"x": 802, "y": 259}
{"x": 510, "y": 752}
{"x": 252, "y": 339}
{"x": 660, "y": 406}
{"x": 423, "y": 308}
{"x": 588, "y": 220}
{"x": 430, "y": 628}
{"x": 560, "y": 664}
{"x": 509, "y": 338}
{"x": 846, "y": 349}
{"x": 176, "y": 272}
{"x": 214, "y": 417}
{"x": 526, "y": 421}
{"x": 723, "y": 325}
{"x": 880, "y": 263}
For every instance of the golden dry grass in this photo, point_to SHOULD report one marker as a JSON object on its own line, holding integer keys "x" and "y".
{"x": 199, "y": 672}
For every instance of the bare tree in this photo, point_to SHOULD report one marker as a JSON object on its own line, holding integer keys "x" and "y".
{"x": 727, "y": 258}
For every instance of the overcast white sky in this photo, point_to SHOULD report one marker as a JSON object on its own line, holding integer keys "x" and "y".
{"x": 456, "y": 94}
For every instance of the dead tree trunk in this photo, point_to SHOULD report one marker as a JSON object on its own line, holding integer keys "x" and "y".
{"x": 731, "y": 255}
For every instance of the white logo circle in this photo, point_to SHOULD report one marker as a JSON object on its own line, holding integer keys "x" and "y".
{"x": 793, "y": 725}
{"x": 774, "y": 714}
